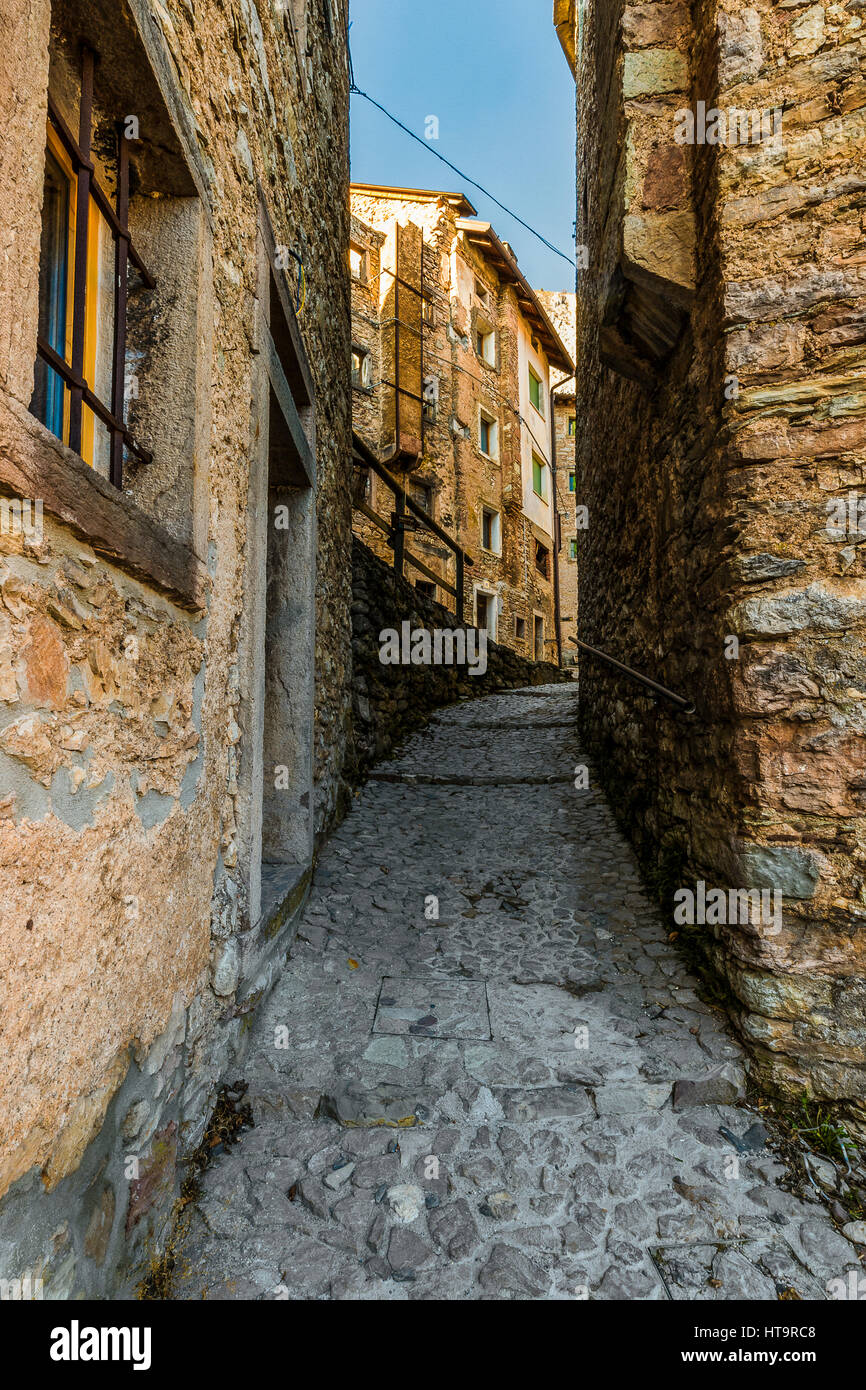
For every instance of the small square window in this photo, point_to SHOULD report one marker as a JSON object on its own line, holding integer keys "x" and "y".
{"x": 490, "y": 530}
{"x": 572, "y": 425}
{"x": 426, "y": 587}
{"x": 430, "y": 398}
{"x": 536, "y": 393}
{"x": 485, "y": 613}
{"x": 485, "y": 344}
{"x": 520, "y": 629}
{"x": 539, "y": 477}
{"x": 358, "y": 262}
{"x": 538, "y": 636}
{"x": 422, "y": 495}
{"x": 488, "y": 434}
{"x": 361, "y": 369}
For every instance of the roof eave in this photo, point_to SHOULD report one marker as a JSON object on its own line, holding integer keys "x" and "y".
{"x": 482, "y": 235}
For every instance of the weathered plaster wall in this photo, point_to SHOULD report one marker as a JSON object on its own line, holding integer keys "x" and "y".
{"x": 130, "y": 963}
{"x": 720, "y": 408}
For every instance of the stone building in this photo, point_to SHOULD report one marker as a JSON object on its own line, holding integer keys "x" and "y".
{"x": 721, "y": 455}
{"x": 561, "y": 308}
{"x": 175, "y": 527}
{"x": 452, "y": 358}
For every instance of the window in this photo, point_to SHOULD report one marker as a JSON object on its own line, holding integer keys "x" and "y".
{"x": 488, "y": 434}
{"x": 55, "y": 275}
{"x": 358, "y": 262}
{"x": 572, "y": 548}
{"x": 538, "y": 636}
{"x": 485, "y": 613}
{"x": 536, "y": 392}
{"x": 482, "y": 293}
{"x": 571, "y": 482}
{"x": 361, "y": 369}
{"x": 426, "y": 587}
{"x": 539, "y": 477}
{"x": 430, "y": 398}
{"x": 572, "y": 425}
{"x": 422, "y": 495}
{"x": 520, "y": 629}
{"x": 485, "y": 344}
{"x": 490, "y": 530}
{"x": 542, "y": 560}
{"x": 80, "y": 373}
{"x": 428, "y": 313}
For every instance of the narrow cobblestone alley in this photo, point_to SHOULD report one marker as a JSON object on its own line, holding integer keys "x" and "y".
{"x": 521, "y": 1098}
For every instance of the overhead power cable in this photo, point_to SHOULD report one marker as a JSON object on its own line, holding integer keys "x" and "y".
{"x": 427, "y": 146}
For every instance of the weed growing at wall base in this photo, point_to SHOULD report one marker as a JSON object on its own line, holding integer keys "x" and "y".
{"x": 438, "y": 647}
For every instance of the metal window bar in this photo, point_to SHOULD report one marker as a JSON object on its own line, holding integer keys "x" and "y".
{"x": 396, "y": 529}
{"x": 72, "y": 373}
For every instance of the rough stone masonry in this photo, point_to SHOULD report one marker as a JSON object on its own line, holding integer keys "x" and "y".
{"x": 722, "y": 404}
{"x": 138, "y": 925}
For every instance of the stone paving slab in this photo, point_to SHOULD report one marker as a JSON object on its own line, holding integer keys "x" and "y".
{"x": 570, "y": 1147}
{"x": 433, "y": 1008}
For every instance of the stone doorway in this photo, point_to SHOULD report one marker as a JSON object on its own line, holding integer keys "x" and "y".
{"x": 277, "y": 737}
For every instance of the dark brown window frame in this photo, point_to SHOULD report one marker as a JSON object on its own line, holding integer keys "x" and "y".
{"x": 88, "y": 188}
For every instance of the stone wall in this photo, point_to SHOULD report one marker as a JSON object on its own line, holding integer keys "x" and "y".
{"x": 390, "y": 701}
{"x": 566, "y": 442}
{"x": 721, "y": 411}
{"x": 136, "y": 936}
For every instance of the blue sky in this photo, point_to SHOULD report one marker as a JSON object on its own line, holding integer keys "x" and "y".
{"x": 494, "y": 74}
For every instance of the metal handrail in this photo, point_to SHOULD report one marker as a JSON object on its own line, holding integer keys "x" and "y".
{"x": 685, "y": 705}
{"x": 365, "y": 456}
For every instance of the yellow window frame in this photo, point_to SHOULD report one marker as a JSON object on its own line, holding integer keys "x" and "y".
{"x": 58, "y": 150}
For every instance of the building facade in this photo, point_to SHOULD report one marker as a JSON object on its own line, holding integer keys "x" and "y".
{"x": 453, "y": 355}
{"x": 722, "y": 456}
{"x": 561, "y": 308}
{"x": 175, "y": 527}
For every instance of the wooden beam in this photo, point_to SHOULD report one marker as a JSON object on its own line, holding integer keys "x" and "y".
{"x": 431, "y": 574}
{"x": 34, "y": 464}
{"x": 286, "y": 402}
{"x": 279, "y": 278}
{"x": 376, "y": 519}
{"x": 365, "y": 456}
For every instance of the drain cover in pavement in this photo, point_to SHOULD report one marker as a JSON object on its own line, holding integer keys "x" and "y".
{"x": 433, "y": 1008}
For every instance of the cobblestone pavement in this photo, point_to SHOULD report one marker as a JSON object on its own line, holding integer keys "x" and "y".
{"x": 553, "y": 1087}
